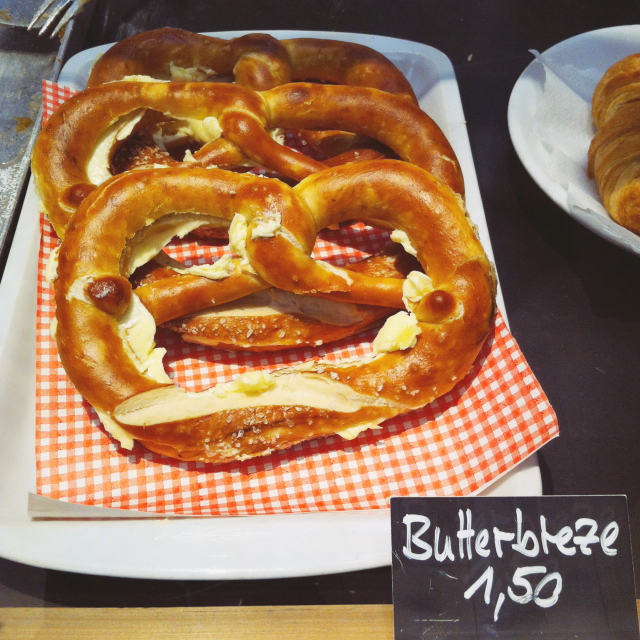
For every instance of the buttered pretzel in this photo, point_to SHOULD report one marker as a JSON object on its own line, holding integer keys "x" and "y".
{"x": 72, "y": 153}
{"x": 256, "y": 60}
{"x": 614, "y": 154}
{"x": 105, "y": 336}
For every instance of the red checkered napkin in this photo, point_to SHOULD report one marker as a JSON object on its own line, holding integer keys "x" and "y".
{"x": 494, "y": 418}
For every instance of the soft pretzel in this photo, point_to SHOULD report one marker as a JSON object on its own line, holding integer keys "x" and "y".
{"x": 256, "y": 60}
{"x": 257, "y": 414}
{"x": 614, "y": 154}
{"x": 84, "y": 128}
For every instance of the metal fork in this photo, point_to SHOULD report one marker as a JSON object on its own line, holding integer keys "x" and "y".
{"x": 51, "y": 10}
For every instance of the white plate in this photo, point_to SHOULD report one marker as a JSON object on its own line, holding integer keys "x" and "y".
{"x": 207, "y": 548}
{"x": 595, "y": 51}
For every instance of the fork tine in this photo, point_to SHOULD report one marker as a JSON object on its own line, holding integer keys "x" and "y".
{"x": 41, "y": 9}
{"x": 71, "y": 11}
{"x": 54, "y": 14}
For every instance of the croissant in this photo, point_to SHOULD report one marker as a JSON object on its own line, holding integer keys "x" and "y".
{"x": 614, "y": 154}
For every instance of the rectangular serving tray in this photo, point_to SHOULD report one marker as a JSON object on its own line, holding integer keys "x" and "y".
{"x": 92, "y": 540}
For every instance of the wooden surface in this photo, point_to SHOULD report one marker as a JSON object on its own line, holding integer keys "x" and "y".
{"x": 353, "y": 622}
{"x": 258, "y": 623}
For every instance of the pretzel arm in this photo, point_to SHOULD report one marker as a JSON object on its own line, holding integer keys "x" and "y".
{"x": 168, "y": 295}
{"x": 249, "y": 134}
{"x": 395, "y": 122}
{"x": 172, "y": 298}
{"x": 275, "y": 320}
{"x": 413, "y": 191}
{"x": 289, "y": 322}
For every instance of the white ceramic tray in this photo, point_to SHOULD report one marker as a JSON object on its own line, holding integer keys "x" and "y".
{"x": 198, "y": 548}
{"x": 592, "y": 53}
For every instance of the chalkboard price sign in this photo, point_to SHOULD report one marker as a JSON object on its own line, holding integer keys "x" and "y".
{"x": 551, "y": 567}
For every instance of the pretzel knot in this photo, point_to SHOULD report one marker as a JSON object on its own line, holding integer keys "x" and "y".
{"x": 105, "y": 336}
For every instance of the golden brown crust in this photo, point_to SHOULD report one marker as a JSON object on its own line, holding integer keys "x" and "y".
{"x": 249, "y": 433}
{"x": 111, "y": 293}
{"x": 345, "y": 63}
{"x": 406, "y": 197}
{"x": 97, "y": 238}
{"x": 173, "y": 297}
{"x": 256, "y": 60}
{"x": 355, "y": 155}
{"x": 398, "y": 194}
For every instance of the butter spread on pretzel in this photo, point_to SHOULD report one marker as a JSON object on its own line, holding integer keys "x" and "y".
{"x": 275, "y": 302}
{"x": 238, "y": 237}
{"x": 272, "y": 320}
{"x": 137, "y": 329}
{"x": 150, "y": 242}
{"x": 77, "y": 291}
{"x": 140, "y": 78}
{"x": 189, "y": 74}
{"x": 399, "y": 332}
{"x": 220, "y": 269}
{"x": 416, "y": 286}
{"x": 399, "y": 236}
{"x": 51, "y": 270}
{"x": 98, "y": 162}
{"x": 115, "y": 430}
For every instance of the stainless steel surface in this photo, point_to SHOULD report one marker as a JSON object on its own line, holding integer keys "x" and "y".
{"x": 26, "y": 13}
{"x": 25, "y": 60}
{"x": 54, "y": 15}
{"x": 23, "y": 65}
{"x": 18, "y": 13}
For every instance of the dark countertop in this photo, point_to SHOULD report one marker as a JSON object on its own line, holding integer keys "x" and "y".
{"x": 573, "y": 300}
